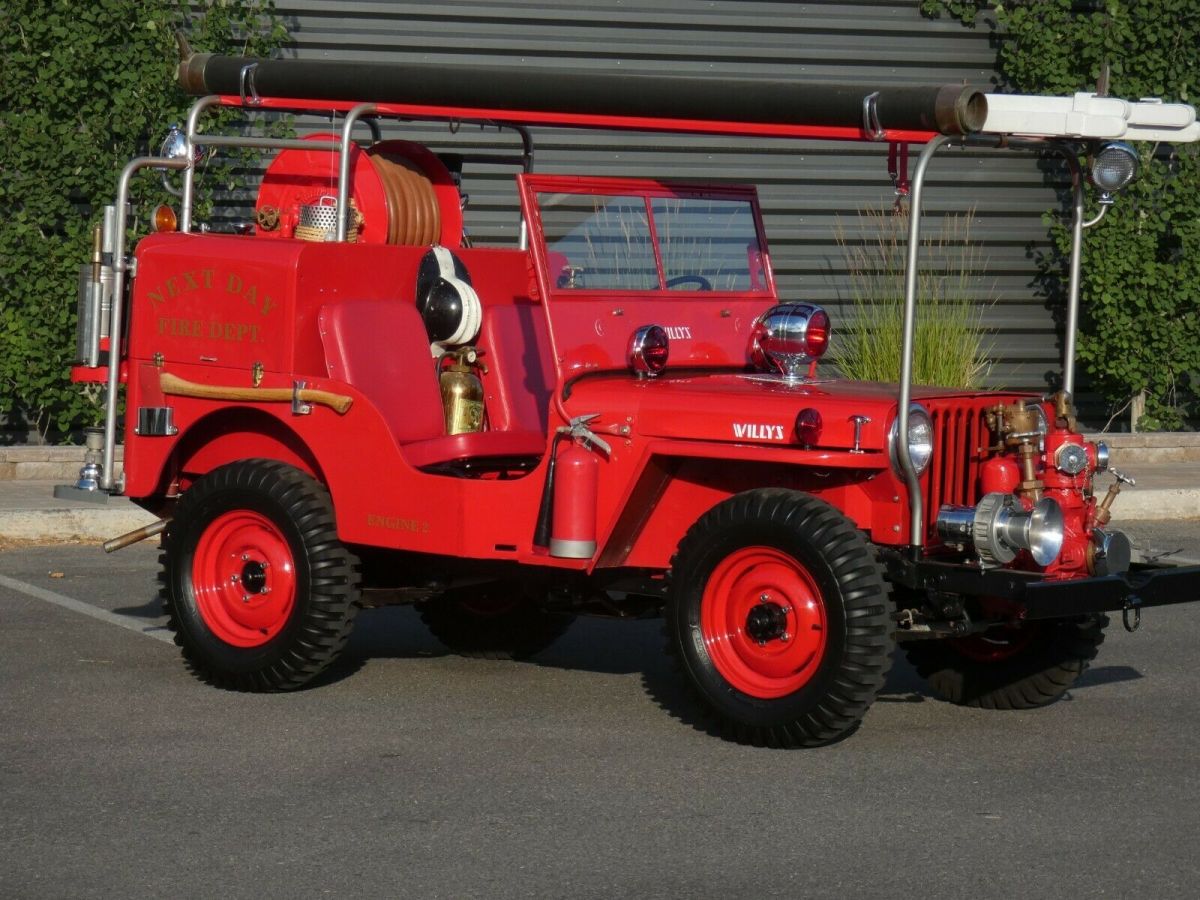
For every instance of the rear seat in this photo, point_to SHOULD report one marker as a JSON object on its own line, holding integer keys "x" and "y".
{"x": 381, "y": 348}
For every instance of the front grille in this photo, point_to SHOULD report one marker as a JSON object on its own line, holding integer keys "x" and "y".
{"x": 961, "y": 437}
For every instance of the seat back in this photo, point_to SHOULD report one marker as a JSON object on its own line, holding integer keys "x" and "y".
{"x": 380, "y": 347}
{"x": 520, "y": 375}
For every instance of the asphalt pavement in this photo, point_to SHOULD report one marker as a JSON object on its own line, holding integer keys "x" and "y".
{"x": 408, "y": 772}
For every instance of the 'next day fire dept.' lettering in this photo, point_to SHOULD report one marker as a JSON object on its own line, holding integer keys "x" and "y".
{"x": 228, "y": 284}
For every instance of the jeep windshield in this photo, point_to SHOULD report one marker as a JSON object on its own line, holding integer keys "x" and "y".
{"x": 649, "y": 237}
{"x": 614, "y": 255}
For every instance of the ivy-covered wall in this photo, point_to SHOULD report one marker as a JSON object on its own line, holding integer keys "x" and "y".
{"x": 1140, "y": 315}
{"x": 84, "y": 88}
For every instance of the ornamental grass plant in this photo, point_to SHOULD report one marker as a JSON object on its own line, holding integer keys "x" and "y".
{"x": 952, "y": 344}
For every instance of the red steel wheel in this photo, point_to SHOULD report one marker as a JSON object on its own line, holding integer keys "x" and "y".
{"x": 778, "y": 616}
{"x": 244, "y": 578}
{"x": 257, "y": 587}
{"x": 763, "y": 622}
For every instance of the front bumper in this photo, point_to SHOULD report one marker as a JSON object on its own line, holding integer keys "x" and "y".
{"x": 1144, "y": 585}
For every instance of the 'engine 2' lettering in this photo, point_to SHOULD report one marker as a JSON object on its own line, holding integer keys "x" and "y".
{"x": 395, "y": 523}
{"x": 758, "y": 431}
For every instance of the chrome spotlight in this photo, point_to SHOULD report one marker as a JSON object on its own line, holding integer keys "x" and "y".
{"x": 174, "y": 146}
{"x": 790, "y": 336}
{"x": 1113, "y": 167}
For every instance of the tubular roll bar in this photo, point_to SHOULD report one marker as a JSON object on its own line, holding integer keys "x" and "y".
{"x": 916, "y": 502}
{"x": 121, "y": 264}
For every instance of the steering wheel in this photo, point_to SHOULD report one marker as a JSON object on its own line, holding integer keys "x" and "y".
{"x": 699, "y": 280}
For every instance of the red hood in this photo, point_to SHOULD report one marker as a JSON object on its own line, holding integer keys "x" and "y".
{"x": 747, "y": 408}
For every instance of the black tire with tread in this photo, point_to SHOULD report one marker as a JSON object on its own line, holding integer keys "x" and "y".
{"x": 1036, "y": 676}
{"x": 859, "y": 651}
{"x": 515, "y": 631}
{"x": 327, "y": 577}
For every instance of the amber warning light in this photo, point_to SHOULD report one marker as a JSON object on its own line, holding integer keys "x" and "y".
{"x": 164, "y": 219}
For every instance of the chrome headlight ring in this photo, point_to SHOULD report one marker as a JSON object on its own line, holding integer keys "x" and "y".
{"x": 919, "y": 441}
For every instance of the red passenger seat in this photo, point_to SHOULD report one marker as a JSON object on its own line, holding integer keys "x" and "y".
{"x": 381, "y": 348}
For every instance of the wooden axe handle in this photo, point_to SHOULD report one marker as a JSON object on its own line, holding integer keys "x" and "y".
{"x": 179, "y": 387}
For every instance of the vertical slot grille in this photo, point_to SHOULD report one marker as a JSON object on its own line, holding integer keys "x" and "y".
{"x": 958, "y": 430}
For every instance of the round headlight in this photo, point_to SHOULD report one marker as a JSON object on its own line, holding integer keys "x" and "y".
{"x": 919, "y": 442}
{"x": 1114, "y": 167}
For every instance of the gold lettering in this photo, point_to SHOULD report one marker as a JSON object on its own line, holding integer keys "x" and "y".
{"x": 233, "y": 284}
{"x": 208, "y": 277}
{"x": 190, "y": 281}
{"x": 172, "y": 287}
{"x": 155, "y": 296}
{"x": 267, "y": 304}
{"x": 395, "y": 523}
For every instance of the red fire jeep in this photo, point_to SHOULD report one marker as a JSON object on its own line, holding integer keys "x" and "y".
{"x": 347, "y": 403}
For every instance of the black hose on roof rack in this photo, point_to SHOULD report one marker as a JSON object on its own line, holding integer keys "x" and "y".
{"x": 948, "y": 108}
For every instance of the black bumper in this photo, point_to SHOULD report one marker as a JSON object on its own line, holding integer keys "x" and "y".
{"x": 1142, "y": 586}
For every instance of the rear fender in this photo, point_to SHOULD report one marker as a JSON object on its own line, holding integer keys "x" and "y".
{"x": 227, "y": 435}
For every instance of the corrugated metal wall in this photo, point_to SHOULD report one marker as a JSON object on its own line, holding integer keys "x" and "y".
{"x": 806, "y": 188}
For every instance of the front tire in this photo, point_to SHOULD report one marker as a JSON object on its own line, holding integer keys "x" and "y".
{"x": 257, "y": 587}
{"x": 1010, "y": 667}
{"x": 778, "y": 616}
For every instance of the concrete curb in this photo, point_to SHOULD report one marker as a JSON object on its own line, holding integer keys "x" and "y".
{"x": 97, "y": 524}
{"x": 1158, "y": 504}
{"x": 59, "y": 526}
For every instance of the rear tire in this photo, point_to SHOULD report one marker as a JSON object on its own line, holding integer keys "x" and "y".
{"x": 259, "y": 591}
{"x": 1010, "y": 668}
{"x": 778, "y": 616}
{"x": 494, "y": 621}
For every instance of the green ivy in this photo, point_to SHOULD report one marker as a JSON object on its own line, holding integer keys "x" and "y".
{"x": 84, "y": 88}
{"x": 1140, "y": 316}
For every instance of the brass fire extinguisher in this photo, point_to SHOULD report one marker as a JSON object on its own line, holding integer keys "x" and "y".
{"x": 462, "y": 391}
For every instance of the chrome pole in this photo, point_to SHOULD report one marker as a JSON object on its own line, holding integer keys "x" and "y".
{"x": 343, "y": 196}
{"x": 1072, "y": 323}
{"x": 120, "y": 266}
{"x": 189, "y": 174}
{"x": 913, "y": 481}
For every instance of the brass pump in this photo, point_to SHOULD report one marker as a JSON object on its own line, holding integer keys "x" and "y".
{"x": 1016, "y": 426}
{"x": 462, "y": 391}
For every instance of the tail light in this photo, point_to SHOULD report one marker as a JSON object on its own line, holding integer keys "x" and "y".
{"x": 808, "y": 427}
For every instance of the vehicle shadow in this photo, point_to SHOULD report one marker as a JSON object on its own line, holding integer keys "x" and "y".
{"x": 604, "y": 646}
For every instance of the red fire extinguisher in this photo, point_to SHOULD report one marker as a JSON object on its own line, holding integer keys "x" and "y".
{"x": 577, "y": 475}
{"x": 567, "y": 518}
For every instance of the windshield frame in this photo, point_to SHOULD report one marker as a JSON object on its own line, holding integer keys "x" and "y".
{"x": 648, "y": 190}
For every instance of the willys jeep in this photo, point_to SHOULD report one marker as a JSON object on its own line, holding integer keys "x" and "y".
{"x": 345, "y": 402}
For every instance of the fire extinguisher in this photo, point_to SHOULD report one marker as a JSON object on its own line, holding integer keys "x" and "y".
{"x": 462, "y": 391}
{"x": 567, "y": 520}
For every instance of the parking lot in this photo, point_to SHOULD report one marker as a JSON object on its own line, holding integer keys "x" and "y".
{"x": 408, "y": 772}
